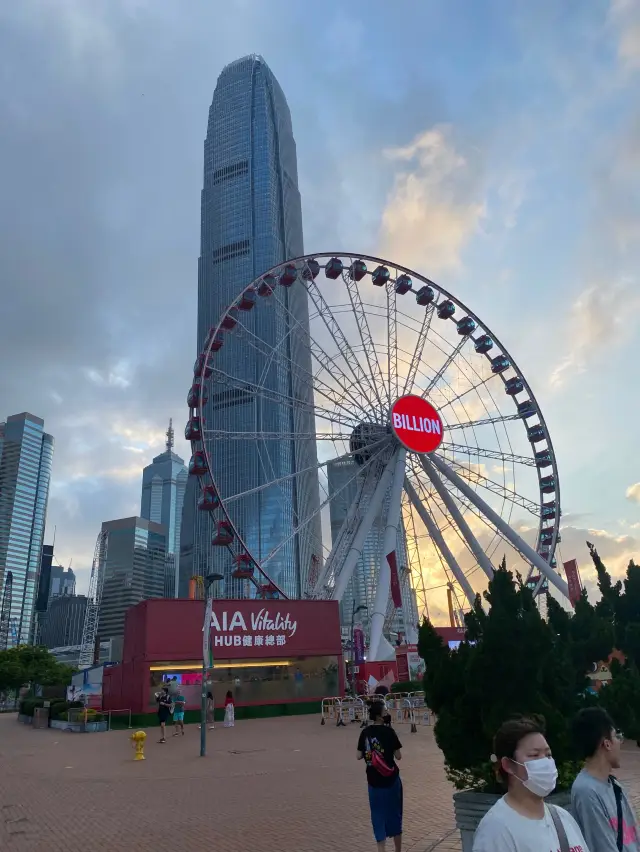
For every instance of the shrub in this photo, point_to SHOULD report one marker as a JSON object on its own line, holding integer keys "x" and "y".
{"x": 28, "y": 705}
{"x": 511, "y": 663}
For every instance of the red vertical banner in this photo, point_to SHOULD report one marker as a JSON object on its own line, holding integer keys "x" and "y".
{"x": 573, "y": 580}
{"x": 396, "y": 594}
{"x": 358, "y": 646}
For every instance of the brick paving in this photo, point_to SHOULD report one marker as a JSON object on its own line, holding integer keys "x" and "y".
{"x": 274, "y": 785}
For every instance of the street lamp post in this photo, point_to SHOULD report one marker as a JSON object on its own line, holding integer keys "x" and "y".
{"x": 355, "y": 610}
{"x": 206, "y": 649}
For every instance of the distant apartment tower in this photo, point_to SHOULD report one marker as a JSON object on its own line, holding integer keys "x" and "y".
{"x": 343, "y": 481}
{"x": 134, "y": 570}
{"x": 64, "y": 621}
{"x": 163, "y": 488}
{"x": 26, "y": 456}
{"x": 54, "y": 581}
{"x": 251, "y": 220}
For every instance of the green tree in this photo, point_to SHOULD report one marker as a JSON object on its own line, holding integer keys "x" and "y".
{"x": 32, "y": 664}
{"x": 518, "y": 665}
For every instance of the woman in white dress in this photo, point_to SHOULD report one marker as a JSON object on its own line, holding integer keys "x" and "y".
{"x": 229, "y": 711}
{"x": 521, "y": 821}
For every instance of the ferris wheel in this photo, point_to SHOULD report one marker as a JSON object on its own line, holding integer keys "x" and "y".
{"x": 359, "y": 434}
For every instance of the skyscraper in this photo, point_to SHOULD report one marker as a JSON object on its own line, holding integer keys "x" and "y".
{"x": 26, "y": 455}
{"x": 133, "y": 571}
{"x": 251, "y": 221}
{"x": 163, "y": 486}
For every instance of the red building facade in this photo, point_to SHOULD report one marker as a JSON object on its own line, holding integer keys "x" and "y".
{"x": 266, "y": 652}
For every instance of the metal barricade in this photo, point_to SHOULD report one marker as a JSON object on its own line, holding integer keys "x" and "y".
{"x": 421, "y": 712}
{"x": 395, "y": 704}
{"x": 330, "y": 709}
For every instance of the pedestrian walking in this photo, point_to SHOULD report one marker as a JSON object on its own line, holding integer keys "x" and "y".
{"x": 598, "y": 801}
{"x": 179, "y": 703}
{"x": 164, "y": 711}
{"x": 229, "y": 711}
{"x": 380, "y": 748}
{"x": 521, "y": 821}
{"x": 210, "y": 712}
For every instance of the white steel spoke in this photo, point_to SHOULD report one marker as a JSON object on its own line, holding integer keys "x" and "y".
{"x": 325, "y": 503}
{"x": 344, "y": 347}
{"x": 366, "y": 338}
{"x": 250, "y": 389}
{"x": 419, "y": 349}
{"x": 497, "y": 455}
{"x": 450, "y": 359}
{"x": 392, "y": 341}
{"x": 282, "y": 479}
{"x": 317, "y": 386}
{"x": 471, "y": 424}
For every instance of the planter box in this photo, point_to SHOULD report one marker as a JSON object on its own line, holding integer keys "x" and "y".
{"x": 78, "y": 727}
{"x": 470, "y": 806}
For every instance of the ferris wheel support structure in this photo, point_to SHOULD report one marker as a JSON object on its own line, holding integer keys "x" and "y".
{"x": 474, "y": 545}
{"x": 438, "y": 538}
{"x": 389, "y": 545}
{"x": 510, "y": 534}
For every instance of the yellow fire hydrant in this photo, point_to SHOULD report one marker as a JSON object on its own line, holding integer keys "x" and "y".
{"x": 137, "y": 740}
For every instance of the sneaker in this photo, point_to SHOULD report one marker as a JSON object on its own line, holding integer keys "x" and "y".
{"x": 212, "y": 728}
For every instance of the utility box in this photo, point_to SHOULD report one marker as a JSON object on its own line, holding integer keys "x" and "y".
{"x": 41, "y": 717}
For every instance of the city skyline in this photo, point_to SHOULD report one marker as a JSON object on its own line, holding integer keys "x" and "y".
{"x": 461, "y": 164}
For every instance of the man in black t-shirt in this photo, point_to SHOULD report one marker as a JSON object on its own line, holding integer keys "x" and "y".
{"x": 380, "y": 748}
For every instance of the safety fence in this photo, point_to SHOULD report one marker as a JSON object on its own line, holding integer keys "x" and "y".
{"x": 403, "y": 707}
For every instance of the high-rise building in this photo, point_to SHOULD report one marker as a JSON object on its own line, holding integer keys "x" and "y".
{"x": 26, "y": 455}
{"x": 163, "y": 487}
{"x": 361, "y": 588}
{"x": 134, "y": 569}
{"x": 64, "y": 621}
{"x": 251, "y": 221}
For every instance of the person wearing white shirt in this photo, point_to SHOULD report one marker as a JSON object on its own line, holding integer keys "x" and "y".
{"x": 521, "y": 821}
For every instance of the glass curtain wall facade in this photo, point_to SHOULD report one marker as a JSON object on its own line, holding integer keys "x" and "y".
{"x": 133, "y": 570}
{"x": 164, "y": 482}
{"x": 26, "y": 457}
{"x": 361, "y": 589}
{"x": 251, "y": 221}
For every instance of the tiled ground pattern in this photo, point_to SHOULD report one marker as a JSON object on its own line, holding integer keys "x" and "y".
{"x": 274, "y": 785}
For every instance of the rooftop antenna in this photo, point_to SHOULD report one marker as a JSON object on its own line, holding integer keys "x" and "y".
{"x": 170, "y": 436}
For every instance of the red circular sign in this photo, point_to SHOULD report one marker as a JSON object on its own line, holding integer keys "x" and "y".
{"x": 416, "y": 424}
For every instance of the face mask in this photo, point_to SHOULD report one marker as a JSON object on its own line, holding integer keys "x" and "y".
{"x": 542, "y": 775}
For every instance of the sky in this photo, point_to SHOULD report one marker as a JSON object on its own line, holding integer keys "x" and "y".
{"x": 494, "y": 147}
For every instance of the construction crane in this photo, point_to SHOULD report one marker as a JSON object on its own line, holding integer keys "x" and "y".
{"x": 94, "y": 599}
{"x": 5, "y": 612}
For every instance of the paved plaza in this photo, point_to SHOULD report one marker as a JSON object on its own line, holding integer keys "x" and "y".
{"x": 272, "y": 785}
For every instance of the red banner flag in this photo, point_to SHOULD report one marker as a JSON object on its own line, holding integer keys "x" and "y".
{"x": 573, "y": 580}
{"x": 396, "y": 594}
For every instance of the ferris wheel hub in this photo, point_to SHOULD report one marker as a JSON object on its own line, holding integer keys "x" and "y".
{"x": 366, "y": 440}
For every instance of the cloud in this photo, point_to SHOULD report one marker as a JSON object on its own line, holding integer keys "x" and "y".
{"x": 633, "y": 492}
{"x": 599, "y": 320}
{"x": 625, "y": 16}
{"x": 435, "y": 205}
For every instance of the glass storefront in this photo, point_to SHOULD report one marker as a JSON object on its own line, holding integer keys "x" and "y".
{"x": 252, "y": 681}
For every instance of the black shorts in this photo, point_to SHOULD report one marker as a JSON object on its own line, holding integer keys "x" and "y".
{"x": 164, "y": 714}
